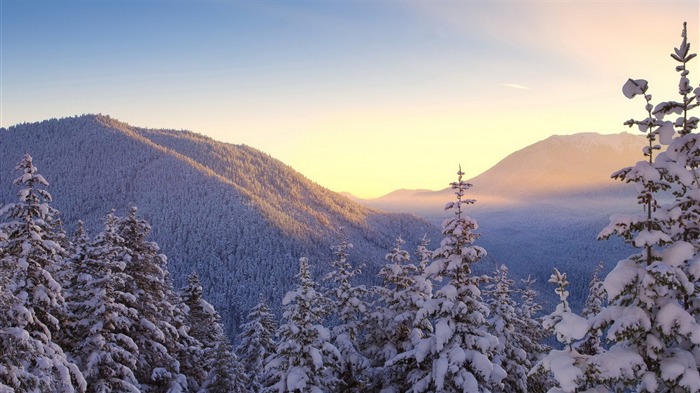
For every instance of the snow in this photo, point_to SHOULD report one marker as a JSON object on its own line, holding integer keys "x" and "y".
{"x": 650, "y": 238}
{"x": 571, "y": 327}
{"x": 297, "y": 379}
{"x": 626, "y": 272}
{"x": 631, "y": 318}
{"x": 678, "y": 253}
{"x": 562, "y": 364}
{"x": 673, "y": 319}
{"x": 634, "y": 87}
{"x": 666, "y": 132}
{"x": 619, "y": 363}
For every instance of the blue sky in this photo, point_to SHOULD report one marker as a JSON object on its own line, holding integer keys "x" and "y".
{"x": 361, "y": 96}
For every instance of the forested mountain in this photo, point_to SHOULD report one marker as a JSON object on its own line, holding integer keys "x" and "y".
{"x": 544, "y": 205}
{"x": 236, "y": 216}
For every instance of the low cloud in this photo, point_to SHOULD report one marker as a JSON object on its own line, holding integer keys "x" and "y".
{"x": 515, "y": 86}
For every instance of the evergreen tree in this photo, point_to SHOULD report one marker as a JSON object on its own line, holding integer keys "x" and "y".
{"x": 652, "y": 315}
{"x": 392, "y": 326}
{"x": 256, "y": 344}
{"x": 460, "y": 354}
{"x": 504, "y": 323}
{"x": 205, "y": 327}
{"x": 102, "y": 316}
{"x": 29, "y": 252}
{"x": 569, "y": 369}
{"x": 305, "y": 358}
{"x": 226, "y": 375}
{"x": 591, "y": 344}
{"x": 349, "y": 304}
{"x": 530, "y": 325}
{"x": 158, "y": 339}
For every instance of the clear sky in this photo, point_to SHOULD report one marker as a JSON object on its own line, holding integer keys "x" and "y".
{"x": 359, "y": 96}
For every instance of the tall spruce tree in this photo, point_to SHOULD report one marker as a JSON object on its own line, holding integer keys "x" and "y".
{"x": 205, "y": 327}
{"x": 569, "y": 369}
{"x": 392, "y": 327}
{"x": 652, "y": 315}
{"x": 348, "y": 302}
{"x": 504, "y": 323}
{"x": 158, "y": 339}
{"x": 460, "y": 354}
{"x": 256, "y": 344}
{"x": 305, "y": 358}
{"x": 103, "y": 314}
{"x": 226, "y": 374}
{"x": 30, "y": 250}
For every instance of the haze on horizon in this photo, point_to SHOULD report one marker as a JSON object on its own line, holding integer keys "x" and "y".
{"x": 364, "y": 97}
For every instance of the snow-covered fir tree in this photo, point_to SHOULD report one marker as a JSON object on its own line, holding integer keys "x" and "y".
{"x": 205, "y": 327}
{"x": 29, "y": 253}
{"x": 568, "y": 368}
{"x": 305, "y": 357}
{"x": 591, "y": 344}
{"x": 256, "y": 343}
{"x": 652, "y": 316}
{"x": 392, "y": 327}
{"x": 349, "y": 305}
{"x": 158, "y": 340}
{"x": 460, "y": 355}
{"x": 530, "y": 325}
{"x": 103, "y": 314}
{"x": 226, "y": 375}
{"x": 504, "y": 323}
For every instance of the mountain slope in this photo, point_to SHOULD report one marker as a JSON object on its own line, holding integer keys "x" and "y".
{"x": 237, "y": 216}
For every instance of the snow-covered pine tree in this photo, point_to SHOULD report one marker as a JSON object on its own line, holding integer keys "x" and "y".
{"x": 30, "y": 249}
{"x": 530, "y": 325}
{"x": 391, "y": 326}
{"x": 158, "y": 339}
{"x": 460, "y": 354}
{"x": 348, "y": 302}
{"x": 305, "y": 358}
{"x": 220, "y": 369}
{"x": 256, "y": 343}
{"x": 504, "y": 323}
{"x": 591, "y": 344}
{"x": 67, "y": 275}
{"x": 569, "y": 369}
{"x": 226, "y": 375}
{"x": 205, "y": 327}
{"x": 103, "y": 315}
{"x": 424, "y": 254}
{"x": 652, "y": 313}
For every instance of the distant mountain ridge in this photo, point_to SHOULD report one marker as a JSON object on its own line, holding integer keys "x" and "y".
{"x": 237, "y": 216}
{"x": 561, "y": 166}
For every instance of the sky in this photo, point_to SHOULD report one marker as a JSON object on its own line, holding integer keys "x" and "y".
{"x": 359, "y": 96}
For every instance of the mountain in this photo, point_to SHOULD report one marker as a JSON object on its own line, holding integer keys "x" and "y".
{"x": 557, "y": 170}
{"x": 237, "y": 216}
{"x": 543, "y": 206}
